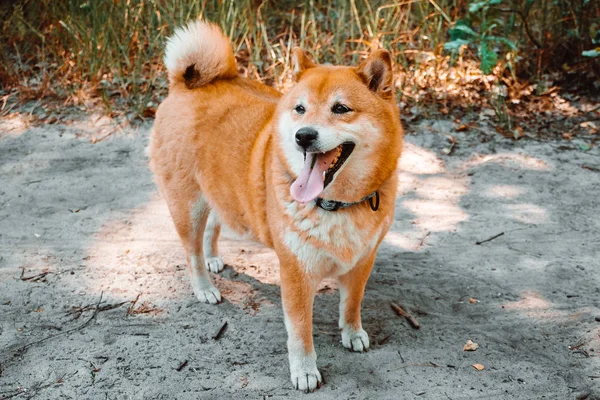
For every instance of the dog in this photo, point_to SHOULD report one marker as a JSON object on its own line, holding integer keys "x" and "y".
{"x": 310, "y": 174}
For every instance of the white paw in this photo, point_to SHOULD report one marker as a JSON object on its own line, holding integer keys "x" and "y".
{"x": 214, "y": 264}
{"x": 306, "y": 379}
{"x": 208, "y": 294}
{"x": 355, "y": 340}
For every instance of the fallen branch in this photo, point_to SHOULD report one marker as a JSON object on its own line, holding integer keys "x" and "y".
{"x": 33, "y": 278}
{"x": 423, "y": 239}
{"x": 427, "y": 364}
{"x": 220, "y": 332}
{"x": 86, "y": 323}
{"x": 591, "y": 168}
{"x": 34, "y": 391}
{"x": 490, "y": 239}
{"x": 181, "y": 366}
{"x": 401, "y": 312}
{"x": 144, "y": 308}
{"x": 384, "y": 340}
{"x": 77, "y": 311}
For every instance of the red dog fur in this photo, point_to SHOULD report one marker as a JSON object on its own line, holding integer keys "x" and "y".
{"x": 225, "y": 149}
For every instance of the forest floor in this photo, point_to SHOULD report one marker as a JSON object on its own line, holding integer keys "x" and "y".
{"x": 95, "y": 301}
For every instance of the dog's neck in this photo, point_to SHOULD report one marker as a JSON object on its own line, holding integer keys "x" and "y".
{"x": 333, "y": 205}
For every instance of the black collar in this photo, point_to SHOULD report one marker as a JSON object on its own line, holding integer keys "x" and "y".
{"x": 332, "y": 205}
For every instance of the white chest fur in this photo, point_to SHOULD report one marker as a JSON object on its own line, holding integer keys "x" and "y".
{"x": 326, "y": 239}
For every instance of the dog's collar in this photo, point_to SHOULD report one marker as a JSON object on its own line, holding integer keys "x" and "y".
{"x": 332, "y": 205}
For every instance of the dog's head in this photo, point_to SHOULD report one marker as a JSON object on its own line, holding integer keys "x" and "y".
{"x": 339, "y": 128}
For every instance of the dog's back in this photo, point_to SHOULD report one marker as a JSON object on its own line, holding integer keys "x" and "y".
{"x": 207, "y": 125}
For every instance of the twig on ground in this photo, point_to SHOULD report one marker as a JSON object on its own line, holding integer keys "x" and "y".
{"x": 35, "y": 390}
{"x": 144, "y": 308}
{"x": 130, "y": 309}
{"x": 490, "y": 239}
{"x": 423, "y": 238}
{"x": 401, "y": 312}
{"x": 427, "y": 364}
{"x": 86, "y": 323}
{"x": 591, "y": 168}
{"x": 33, "y": 278}
{"x": 384, "y": 340}
{"x": 220, "y": 332}
{"x": 181, "y": 366}
{"x": 77, "y": 311}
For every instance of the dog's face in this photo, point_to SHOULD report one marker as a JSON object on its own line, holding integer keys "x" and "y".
{"x": 339, "y": 129}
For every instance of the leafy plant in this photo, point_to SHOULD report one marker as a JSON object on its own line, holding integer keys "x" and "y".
{"x": 479, "y": 30}
{"x": 591, "y": 53}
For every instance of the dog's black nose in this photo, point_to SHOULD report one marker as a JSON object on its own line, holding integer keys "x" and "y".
{"x": 305, "y": 137}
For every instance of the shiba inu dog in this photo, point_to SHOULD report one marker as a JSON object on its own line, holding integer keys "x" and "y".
{"x": 310, "y": 173}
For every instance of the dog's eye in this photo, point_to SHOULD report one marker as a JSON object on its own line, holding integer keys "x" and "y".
{"x": 300, "y": 109}
{"x": 339, "y": 108}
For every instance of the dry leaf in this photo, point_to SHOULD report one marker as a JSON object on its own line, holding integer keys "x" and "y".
{"x": 518, "y": 133}
{"x": 462, "y": 128}
{"x": 470, "y": 346}
{"x": 478, "y": 367}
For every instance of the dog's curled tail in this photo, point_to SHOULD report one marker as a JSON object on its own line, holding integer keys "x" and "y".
{"x": 199, "y": 53}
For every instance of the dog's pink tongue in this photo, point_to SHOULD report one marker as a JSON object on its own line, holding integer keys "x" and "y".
{"x": 309, "y": 183}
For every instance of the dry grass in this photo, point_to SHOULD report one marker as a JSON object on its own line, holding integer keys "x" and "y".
{"x": 82, "y": 53}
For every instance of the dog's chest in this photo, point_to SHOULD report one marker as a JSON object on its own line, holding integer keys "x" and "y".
{"x": 321, "y": 239}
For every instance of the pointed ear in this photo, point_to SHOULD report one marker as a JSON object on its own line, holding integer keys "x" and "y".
{"x": 300, "y": 62}
{"x": 376, "y": 72}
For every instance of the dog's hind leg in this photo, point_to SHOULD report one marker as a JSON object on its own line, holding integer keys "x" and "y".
{"x": 190, "y": 211}
{"x": 213, "y": 262}
{"x": 201, "y": 283}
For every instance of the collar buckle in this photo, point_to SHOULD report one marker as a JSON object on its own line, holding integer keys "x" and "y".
{"x": 332, "y": 205}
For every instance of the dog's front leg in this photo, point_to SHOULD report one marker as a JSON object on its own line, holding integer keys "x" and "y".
{"x": 297, "y": 291}
{"x": 352, "y": 289}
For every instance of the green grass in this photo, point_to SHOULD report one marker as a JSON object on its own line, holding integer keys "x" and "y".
{"x": 111, "y": 49}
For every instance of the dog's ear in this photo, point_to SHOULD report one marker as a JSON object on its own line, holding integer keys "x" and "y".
{"x": 376, "y": 72}
{"x": 300, "y": 62}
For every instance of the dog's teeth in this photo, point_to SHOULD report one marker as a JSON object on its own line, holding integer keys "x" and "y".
{"x": 324, "y": 176}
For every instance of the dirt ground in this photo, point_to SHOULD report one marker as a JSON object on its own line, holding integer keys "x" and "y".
{"x": 95, "y": 301}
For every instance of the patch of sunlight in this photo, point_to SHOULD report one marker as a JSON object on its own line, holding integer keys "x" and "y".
{"x": 529, "y": 301}
{"x": 409, "y": 241}
{"x": 418, "y": 160}
{"x": 436, "y": 215}
{"x": 436, "y": 207}
{"x": 534, "y": 305}
{"x": 533, "y": 264}
{"x": 515, "y": 159}
{"x": 442, "y": 188}
{"x": 527, "y": 213}
{"x": 242, "y": 294}
{"x": 250, "y": 258}
{"x": 140, "y": 252}
{"x": 137, "y": 252}
{"x": 13, "y": 124}
{"x": 504, "y": 191}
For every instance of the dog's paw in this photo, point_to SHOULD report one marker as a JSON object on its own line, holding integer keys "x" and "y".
{"x": 208, "y": 294}
{"x": 214, "y": 264}
{"x": 306, "y": 379}
{"x": 355, "y": 340}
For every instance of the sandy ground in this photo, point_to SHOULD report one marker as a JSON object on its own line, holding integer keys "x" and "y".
{"x": 83, "y": 234}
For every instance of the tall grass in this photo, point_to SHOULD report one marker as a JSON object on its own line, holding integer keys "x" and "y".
{"x": 112, "y": 49}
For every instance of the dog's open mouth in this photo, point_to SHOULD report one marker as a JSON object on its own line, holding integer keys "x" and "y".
{"x": 318, "y": 172}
